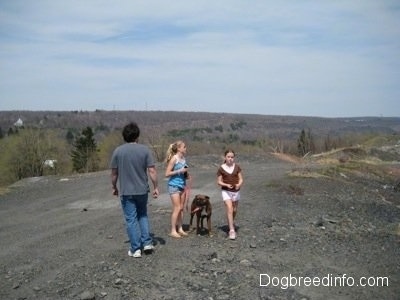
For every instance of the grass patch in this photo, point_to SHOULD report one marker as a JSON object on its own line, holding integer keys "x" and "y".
{"x": 306, "y": 174}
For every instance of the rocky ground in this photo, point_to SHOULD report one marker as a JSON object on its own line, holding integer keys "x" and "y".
{"x": 303, "y": 236}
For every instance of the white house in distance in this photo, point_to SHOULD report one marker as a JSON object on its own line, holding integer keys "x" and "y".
{"x": 19, "y": 123}
{"x": 50, "y": 163}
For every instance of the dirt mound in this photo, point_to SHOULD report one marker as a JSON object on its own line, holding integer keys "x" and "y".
{"x": 299, "y": 237}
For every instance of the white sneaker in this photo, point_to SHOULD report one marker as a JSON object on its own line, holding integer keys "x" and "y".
{"x": 148, "y": 248}
{"x": 232, "y": 235}
{"x": 135, "y": 254}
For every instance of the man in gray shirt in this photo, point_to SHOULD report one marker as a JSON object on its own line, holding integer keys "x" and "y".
{"x": 131, "y": 163}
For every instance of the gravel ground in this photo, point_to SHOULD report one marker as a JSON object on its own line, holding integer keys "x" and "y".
{"x": 301, "y": 237}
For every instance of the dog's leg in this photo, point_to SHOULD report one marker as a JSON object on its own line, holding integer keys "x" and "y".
{"x": 198, "y": 216}
{"x": 191, "y": 220}
{"x": 209, "y": 213}
{"x": 209, "y": 224}
{"x": 192, "y": 213}
{"x": 202, "y": 221}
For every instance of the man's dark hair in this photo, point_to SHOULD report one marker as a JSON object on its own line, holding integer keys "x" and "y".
{"x": 131, "y": 132}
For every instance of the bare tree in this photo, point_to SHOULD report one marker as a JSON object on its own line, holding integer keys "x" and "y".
{"x": 157, "y": 143}
{"x": 32, "y": 148}
{"x": 278, "y": 145}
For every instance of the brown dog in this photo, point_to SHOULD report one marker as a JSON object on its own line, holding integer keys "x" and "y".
{"x": 201, "y": 203}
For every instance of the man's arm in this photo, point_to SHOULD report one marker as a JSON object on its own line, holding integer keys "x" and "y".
{"x": 153, "y": 176}
{"x": 114, "y": 179}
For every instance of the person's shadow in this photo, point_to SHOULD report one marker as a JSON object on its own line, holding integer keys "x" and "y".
{"x": 157, "y": 240}
{"x": 225, "y": 228}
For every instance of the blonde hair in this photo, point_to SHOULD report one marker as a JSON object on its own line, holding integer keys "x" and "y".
{"x": 172, "y": 150}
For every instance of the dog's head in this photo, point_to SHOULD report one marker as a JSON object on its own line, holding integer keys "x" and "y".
{"x": 201, "y": 200}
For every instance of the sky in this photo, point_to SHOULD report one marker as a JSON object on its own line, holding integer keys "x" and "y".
{"x": 294, "y": 57}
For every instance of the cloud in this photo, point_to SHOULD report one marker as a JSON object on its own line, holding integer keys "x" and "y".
{"x": 268, "y": 57}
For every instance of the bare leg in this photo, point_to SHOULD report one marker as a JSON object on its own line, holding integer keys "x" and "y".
{"x": 229, "y": 214}
{"x": 175, "y": 215}
{"x": 180, "y": 217}
{"x": 234, "y": 211}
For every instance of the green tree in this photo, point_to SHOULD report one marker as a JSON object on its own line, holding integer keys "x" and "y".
{"x": 84, "y": 155}
{"x": 305, "y": 143}
{"x": 69, "y": 137}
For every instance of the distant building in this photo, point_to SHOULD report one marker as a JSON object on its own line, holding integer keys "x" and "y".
{"x": 19, "y": 123}
{"x": 51, "y": 163}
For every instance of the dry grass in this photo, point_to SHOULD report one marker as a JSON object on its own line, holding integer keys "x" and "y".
{"x": 288, "y": 157}
{"x": 305, "y": 174}
{"x": 3, "y": 190}
{"x": 343, "y": 162}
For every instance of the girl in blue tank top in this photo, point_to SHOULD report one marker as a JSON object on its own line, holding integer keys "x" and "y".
{"x": 177, "y": 172}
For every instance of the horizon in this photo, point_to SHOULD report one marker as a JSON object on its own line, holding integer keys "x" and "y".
{"x": 200, "y": 112}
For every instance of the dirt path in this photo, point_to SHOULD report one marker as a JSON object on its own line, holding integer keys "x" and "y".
{"x": 64, "y": 238}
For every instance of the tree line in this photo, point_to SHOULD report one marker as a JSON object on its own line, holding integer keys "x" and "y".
{"x": 30, "y": 152}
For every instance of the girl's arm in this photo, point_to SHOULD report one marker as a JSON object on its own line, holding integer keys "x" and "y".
{"x": 239, "y": 184}
{"x": 221, "y": 183}
{"x": 170, "y": 166}
{"x": 169, "y": 171}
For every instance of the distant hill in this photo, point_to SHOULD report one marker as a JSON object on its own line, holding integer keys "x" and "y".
{"x": 251, "y": 125}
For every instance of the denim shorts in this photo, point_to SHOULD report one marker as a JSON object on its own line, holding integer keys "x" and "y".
{"x": 174, "y": 189}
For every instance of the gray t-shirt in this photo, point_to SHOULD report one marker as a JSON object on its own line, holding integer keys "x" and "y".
{"x": 132, "y": 161}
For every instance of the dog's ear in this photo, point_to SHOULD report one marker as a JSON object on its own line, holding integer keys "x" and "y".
{"x": 207, "y": 198}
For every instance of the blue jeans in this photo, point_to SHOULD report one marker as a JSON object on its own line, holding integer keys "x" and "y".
{"x": 134, "y": 208}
